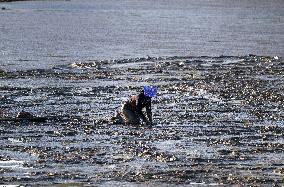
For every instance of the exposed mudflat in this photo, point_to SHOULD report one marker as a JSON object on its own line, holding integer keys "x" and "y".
{"x": 217, "y": 121}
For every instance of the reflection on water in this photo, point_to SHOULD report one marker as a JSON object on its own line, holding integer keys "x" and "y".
{"x": 217, "y": 121}
{"x": 36, "y": 34}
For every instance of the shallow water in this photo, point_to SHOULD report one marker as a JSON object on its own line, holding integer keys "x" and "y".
{"x": 217, "y": 121}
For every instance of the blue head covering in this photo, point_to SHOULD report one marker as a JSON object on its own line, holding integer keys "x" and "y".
{"x": 150, "y": 91}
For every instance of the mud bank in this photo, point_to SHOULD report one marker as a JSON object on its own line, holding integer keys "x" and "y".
{"x": 218, "y": 121}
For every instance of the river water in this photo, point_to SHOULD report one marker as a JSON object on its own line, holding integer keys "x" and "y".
{"x": 218, "y": 117}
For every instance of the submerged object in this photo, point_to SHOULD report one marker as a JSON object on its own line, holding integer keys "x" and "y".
{"x": 150, "y": 91}
{"x": 23, "y": 116}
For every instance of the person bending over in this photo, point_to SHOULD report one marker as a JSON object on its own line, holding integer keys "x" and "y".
{"x": 131, "y": 111}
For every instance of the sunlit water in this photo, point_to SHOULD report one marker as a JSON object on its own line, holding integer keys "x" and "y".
{"x": 217, "y": 120}
{"x": 37, "y": 34}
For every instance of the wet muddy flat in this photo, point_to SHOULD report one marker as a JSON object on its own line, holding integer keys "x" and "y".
{"x": 217, "y": 121}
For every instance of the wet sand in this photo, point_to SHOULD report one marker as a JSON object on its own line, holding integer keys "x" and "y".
{"x": 217, "y": 121}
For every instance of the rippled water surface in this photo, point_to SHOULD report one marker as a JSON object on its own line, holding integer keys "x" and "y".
{"x": 218, "y": 117}
{"x": 43, "y": 33}
{"x": 217, "y": 121}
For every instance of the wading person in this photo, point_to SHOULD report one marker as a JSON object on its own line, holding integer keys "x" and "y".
{"x": 131, "y": 111}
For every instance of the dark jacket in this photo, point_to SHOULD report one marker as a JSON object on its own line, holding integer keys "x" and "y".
{"x": 140, "y": 101}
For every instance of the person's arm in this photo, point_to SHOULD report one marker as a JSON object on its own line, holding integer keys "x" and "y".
{"x": 149, "y": 111}
{"x": 139, "y": 106}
